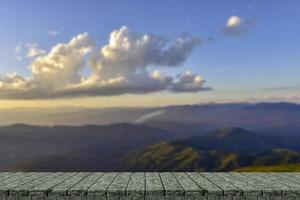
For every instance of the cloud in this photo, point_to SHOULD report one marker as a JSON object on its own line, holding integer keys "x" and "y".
{"x": 234, "y": 21}
{"x": 129, "y": 52}
{"x": 29, "y": 50}
{"x": 53, "y": 33}
{"x": 12, "y": 85}
{"x": 119, "y": 67}
{"x": 148, "y": 116}
{"x": 237, "y": 25}
{"x": 18, "y": 49}
{"x": 62, "y": 64}
{"x": 189, "y": 82}
{"x": 33, "y": 50}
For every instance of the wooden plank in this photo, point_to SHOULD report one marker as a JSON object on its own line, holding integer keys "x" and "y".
{"x": 23, "y": 190}
{"x": 7, "y": 175}
{"x": 292, "y": 177}
{"x": 4, "y": 193}
{"x": 289, "y": 189}
{"x": 62, "y": 188}
{"x": 282, "y": 180}
{"x": 19, "y": 180}
{"x": 269, "y": 189}
{"x": 42, "y": 189}
{"x": 294, "y": 174}
{"x": 248, "y": 189}
{"x": 81, "y": 188}
{"x": 136, "y": 186}
{"x": 11, "y": 179}
{"x": 266, "y": 189}
{"x": 149, "y": 186}
{"x": 99, "y": 188}
{"x": 189, "y": 186}
{"x": 154, "y": 186}
{"x": 228, "y": 188}
{"x": 4, "y": 174}
{"x": 208, "y": 187}
{"x": 118, "y": 186}
{"x": 171, "y": 185}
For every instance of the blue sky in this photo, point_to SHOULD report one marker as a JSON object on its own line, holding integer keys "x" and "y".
{"x": 266, "y": 55}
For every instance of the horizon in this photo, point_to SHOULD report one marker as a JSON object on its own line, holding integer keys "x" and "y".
{"x": 82, "y": 116}
{"x": 125, "y": 58}
{"x": 150, "y": 106}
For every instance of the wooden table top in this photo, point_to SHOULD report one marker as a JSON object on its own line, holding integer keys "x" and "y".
{"x": 142, "y": 185}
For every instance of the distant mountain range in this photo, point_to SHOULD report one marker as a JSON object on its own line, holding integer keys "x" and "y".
{"x": 273, "y": 118}
{"x": 128, "y": 147}
{"x": 24, "y": 147}
{"x": 174, "y": 138}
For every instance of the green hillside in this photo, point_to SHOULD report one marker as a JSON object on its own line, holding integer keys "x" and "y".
{"x": 224, "y": 150}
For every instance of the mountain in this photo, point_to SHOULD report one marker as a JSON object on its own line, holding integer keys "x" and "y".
{"x": 227, "y": 139}
{"x": 73, "y": 148}
{"x": 263, "y": 118}
{"x": 222, "y": 150}
{"x": 70, "y": 116}
{"x": 133, "y": 147}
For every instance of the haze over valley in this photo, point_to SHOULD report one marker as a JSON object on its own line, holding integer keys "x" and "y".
{"x": 232, "y": 136}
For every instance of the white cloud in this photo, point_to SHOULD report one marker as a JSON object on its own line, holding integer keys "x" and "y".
{"x": 234, "y": 21}
{"x": 53, "y": 33}
{"x": 33, "y": 50}
{"x": 18, "y": 49}
{"x": 189, "y": 82}
{"x": 129, "y": 52}
{"x": 29, "y": 50}
{"x": 12, "y": 85}
{"x": 119, "y": 67}
{"x": 62, "y": 64}
{"x": 237, "y": 25}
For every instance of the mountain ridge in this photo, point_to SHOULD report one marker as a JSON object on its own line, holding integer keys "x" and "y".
{"x": 212, "y": 153}
{"x": 266, "y": 116}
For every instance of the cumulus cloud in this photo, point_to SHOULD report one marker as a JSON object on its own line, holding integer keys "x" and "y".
{"x": 129, "y": 52}
{"x": 62, "y": 64}
{"x": 189, "y": 82}
{"x": 237, "y": 25}
{"x": 12, "y": 85}
{"x": 119, "y": 67}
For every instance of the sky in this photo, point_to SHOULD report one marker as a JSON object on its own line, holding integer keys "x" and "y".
{"x": 148, "y": 53}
